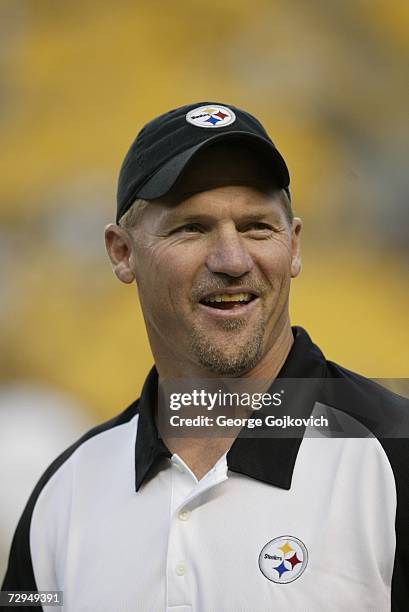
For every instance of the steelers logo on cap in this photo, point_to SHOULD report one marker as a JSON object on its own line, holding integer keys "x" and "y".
{"x": 214, "y": 116}
{"x": 283, "y": 559}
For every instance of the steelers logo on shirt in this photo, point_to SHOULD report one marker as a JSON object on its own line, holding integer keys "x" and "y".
{"x": 213, "y": 116}
{"x": 283, "y": 559}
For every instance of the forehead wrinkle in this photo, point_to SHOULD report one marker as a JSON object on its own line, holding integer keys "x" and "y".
{"x": 244, "y": 205}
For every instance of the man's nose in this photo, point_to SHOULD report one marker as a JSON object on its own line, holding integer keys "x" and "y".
{"x": 228, "y": 254}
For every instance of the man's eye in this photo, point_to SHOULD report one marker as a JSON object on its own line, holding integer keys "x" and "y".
{"x": 190, "y": 228}
{"x": 257, "y": 226}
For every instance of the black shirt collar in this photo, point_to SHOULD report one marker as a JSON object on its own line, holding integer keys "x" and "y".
{"x": 269, "y": 460}
{"x": 149, "y": 447}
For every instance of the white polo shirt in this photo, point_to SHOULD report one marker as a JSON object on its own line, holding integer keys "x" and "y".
{"x": 119, "y": 524}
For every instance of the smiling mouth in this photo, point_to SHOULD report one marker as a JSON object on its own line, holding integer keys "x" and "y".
{"x": 226, "y": 301}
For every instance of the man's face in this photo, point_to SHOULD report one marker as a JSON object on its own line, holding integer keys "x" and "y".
{"x": 213, "y": 262}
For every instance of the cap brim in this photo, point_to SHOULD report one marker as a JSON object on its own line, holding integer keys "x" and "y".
{"x": 163, "y": 179}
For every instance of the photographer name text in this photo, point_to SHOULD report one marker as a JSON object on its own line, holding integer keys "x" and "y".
{"x": 282, "y": 422}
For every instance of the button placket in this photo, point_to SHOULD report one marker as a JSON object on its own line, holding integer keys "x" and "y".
{"x": 178, "y": 591}
{"x": 185, "y": 489}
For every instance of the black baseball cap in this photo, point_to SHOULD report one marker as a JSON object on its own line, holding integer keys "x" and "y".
{"x": 164, "y": 147}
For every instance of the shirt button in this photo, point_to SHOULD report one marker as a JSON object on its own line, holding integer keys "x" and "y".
{"x": 180, "y": 569}
{"x": 184, "y": 515}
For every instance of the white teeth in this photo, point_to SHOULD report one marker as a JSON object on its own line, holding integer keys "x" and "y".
{"x": 226, "y": 297}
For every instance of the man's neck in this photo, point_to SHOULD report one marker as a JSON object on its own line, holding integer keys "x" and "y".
{"x": 201, "y": 453}
{"x": 271, "y": 363}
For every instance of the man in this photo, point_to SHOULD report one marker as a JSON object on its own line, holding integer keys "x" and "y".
{"x": 136, "y": 516}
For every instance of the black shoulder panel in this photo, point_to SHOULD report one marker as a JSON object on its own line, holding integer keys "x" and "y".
{"x": 383, "y": 412}
{"x": 397, "y": 451}
{"x": 386, "y": 415}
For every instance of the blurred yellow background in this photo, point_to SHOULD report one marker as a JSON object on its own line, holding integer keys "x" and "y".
{"x": 79, "y": 79}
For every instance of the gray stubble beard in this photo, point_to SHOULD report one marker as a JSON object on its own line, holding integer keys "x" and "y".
{"x": 214, "y": 359}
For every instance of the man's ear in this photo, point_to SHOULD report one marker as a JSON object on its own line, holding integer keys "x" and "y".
{"x": 119, "y": 246}
{"x": 296, "y": 247}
